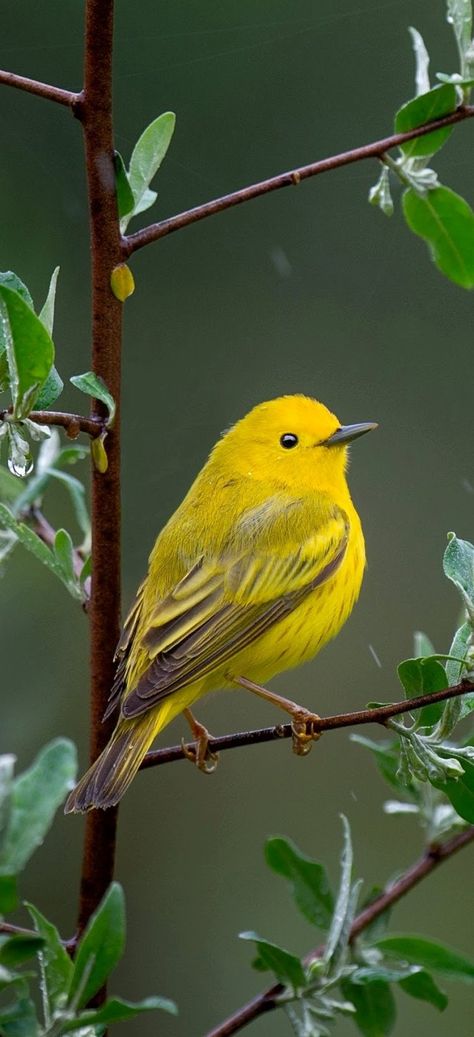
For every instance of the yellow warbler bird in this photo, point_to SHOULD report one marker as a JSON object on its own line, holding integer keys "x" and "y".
{"x": 257, "y": 569}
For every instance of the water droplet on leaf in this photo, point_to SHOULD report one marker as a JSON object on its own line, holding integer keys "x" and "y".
{"x": 21, "y": 468}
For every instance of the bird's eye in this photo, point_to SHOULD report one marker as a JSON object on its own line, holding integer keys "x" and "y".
{"x": 288, "y": 440}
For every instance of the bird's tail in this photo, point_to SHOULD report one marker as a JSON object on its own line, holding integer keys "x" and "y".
{"x": 109, "y": 777}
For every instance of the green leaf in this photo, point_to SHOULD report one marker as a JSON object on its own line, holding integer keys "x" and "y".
{"x": 308, "y": 879}
{"x": 36, "y": 795}
{"x": 422, "y": 60}
{"x": 29, "y": 350}
{"x": 147, "y": 199}
{"x": 125, "y": 198}
{"x": 422, "y": 986}
{"x": 56, "y": 965}
{"x": 100, "y": 948}
{"x": 460, "y": 17}
{"x": 460, "y": 792}
{"x": 148, "y": 154}
{"x": 116, "y": 1010}
{"x": 19, "y": 1020}
{"x": 374, "y": 1004}
{"x": 8, "y": 893}
{"x": 95, "y": 386}
{"x": 64, "y": 555}
{"x": 32, "y": 542}
{"x": 439, "y": 101}
{"x": 422, "y": 677}
{"x": 446, "y": 222}
{"x": 458, "y": 566}
{"x": 429, "y": 954}
{"x": 11, "y": 280}
{"x": 15, "y": 950}
{"x": 287, "y": 967}
{"x": 52, "y": 388}
{"x": 455, "y": 670}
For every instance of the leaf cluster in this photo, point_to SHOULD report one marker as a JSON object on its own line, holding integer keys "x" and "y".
{"x": 27, "y": 807}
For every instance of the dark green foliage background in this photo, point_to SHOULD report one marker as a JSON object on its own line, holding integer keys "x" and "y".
{"x": 307, "y": 290}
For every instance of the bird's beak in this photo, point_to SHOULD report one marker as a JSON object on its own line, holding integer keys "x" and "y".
{"x": 347, "y": 433}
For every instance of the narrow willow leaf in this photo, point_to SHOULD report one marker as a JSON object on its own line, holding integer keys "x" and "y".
{"x": 374, "y": 1004}
{"x": 116, "y": 1010}
{"x": 10, "y": 487}
{"x": 93, "y": 385}
{"x": 64, "y": 555}
{"x": 148, "y": 154}
{"x": 422, "y": 60}
{"x": 29, "y": 350}
{"x": 439, "y": 101}
{"x": 36, "y": 795}
{"x": 35, "y": 545}
{"x": 100, "y": 948}
{"x": 460, "y": 17}
{"x": 147, "y": 199}
{"x": 429, "y": 954}
{"x": 455, "y": 671}
{"x": 11, "y": 280}
{"x": 287, "y": 968}
{"x": 343, "y": 898}
{"x": 56, "y": 965}
{"x": 46, "y": 314}
{"x": 308, "y": 880}
{"x": 8, "y": 894}
{"x": 446, "y": 222}
{"x": 125, "y": 199}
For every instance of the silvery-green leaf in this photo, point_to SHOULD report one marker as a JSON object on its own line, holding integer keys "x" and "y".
{"x": 37, "y": 432}
{"x": 149, "y": 152}
{"x": 93, "y": 385}
{"x": 422, "y": 59}
{"x": 458, "y": 565}
{"x": 46, "y": 314}
{"x": 343, "y": 895}
{"x": 20, "y": 460}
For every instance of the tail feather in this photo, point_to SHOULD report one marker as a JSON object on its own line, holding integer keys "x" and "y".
{"x": 104, "y": 784}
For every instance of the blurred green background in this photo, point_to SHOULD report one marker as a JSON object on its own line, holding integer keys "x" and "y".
{"x": 307, "y": 290}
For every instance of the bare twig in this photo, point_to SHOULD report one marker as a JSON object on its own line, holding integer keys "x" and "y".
{"x": 378, "y": 715}
{"x": 104, "y": 610}
{"x": 32, "y": 86}
{"x": 430, "y": 859}
{"x": 375, "y": 150}
{"x": 72, "y": 423}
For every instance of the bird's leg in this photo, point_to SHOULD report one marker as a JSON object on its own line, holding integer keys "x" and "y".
{"x": 199, "y": 754}
{"x": 304, "y": 724}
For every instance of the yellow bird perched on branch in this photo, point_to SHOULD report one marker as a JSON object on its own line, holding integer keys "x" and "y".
{"x": 257, "y": 569}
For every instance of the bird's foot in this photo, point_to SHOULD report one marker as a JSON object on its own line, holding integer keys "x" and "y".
{"x": 305, "y": 731}
{"x": 199, "y": 752}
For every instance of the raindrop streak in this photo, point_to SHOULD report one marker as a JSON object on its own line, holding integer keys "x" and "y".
{"x": 21, "y": 469}
{"x": 375, "y": 656}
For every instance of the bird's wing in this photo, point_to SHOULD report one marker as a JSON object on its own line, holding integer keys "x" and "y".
{"x": 225, "y": 604}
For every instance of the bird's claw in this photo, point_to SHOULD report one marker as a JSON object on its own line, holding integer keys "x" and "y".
{"x": 305, "y": 731}
{"x": 199, "y": 753}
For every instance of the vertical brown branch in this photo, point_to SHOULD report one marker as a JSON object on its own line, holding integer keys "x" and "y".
{"x": 96, "y": 117}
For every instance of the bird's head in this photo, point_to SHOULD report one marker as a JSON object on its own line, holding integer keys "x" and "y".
{"x": 292, "y": 441}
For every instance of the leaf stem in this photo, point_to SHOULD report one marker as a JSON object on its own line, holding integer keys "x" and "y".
{"x": 376, "y": 150}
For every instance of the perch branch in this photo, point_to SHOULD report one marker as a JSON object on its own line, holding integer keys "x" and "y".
{"x": 432, "y": 857}
{"x": 376, "y": 150}
{"x": 378, "y": 715}
{"x": 72, "y": 423}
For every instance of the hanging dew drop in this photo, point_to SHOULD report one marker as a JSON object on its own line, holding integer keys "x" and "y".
{"x": 21, "y": 468}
